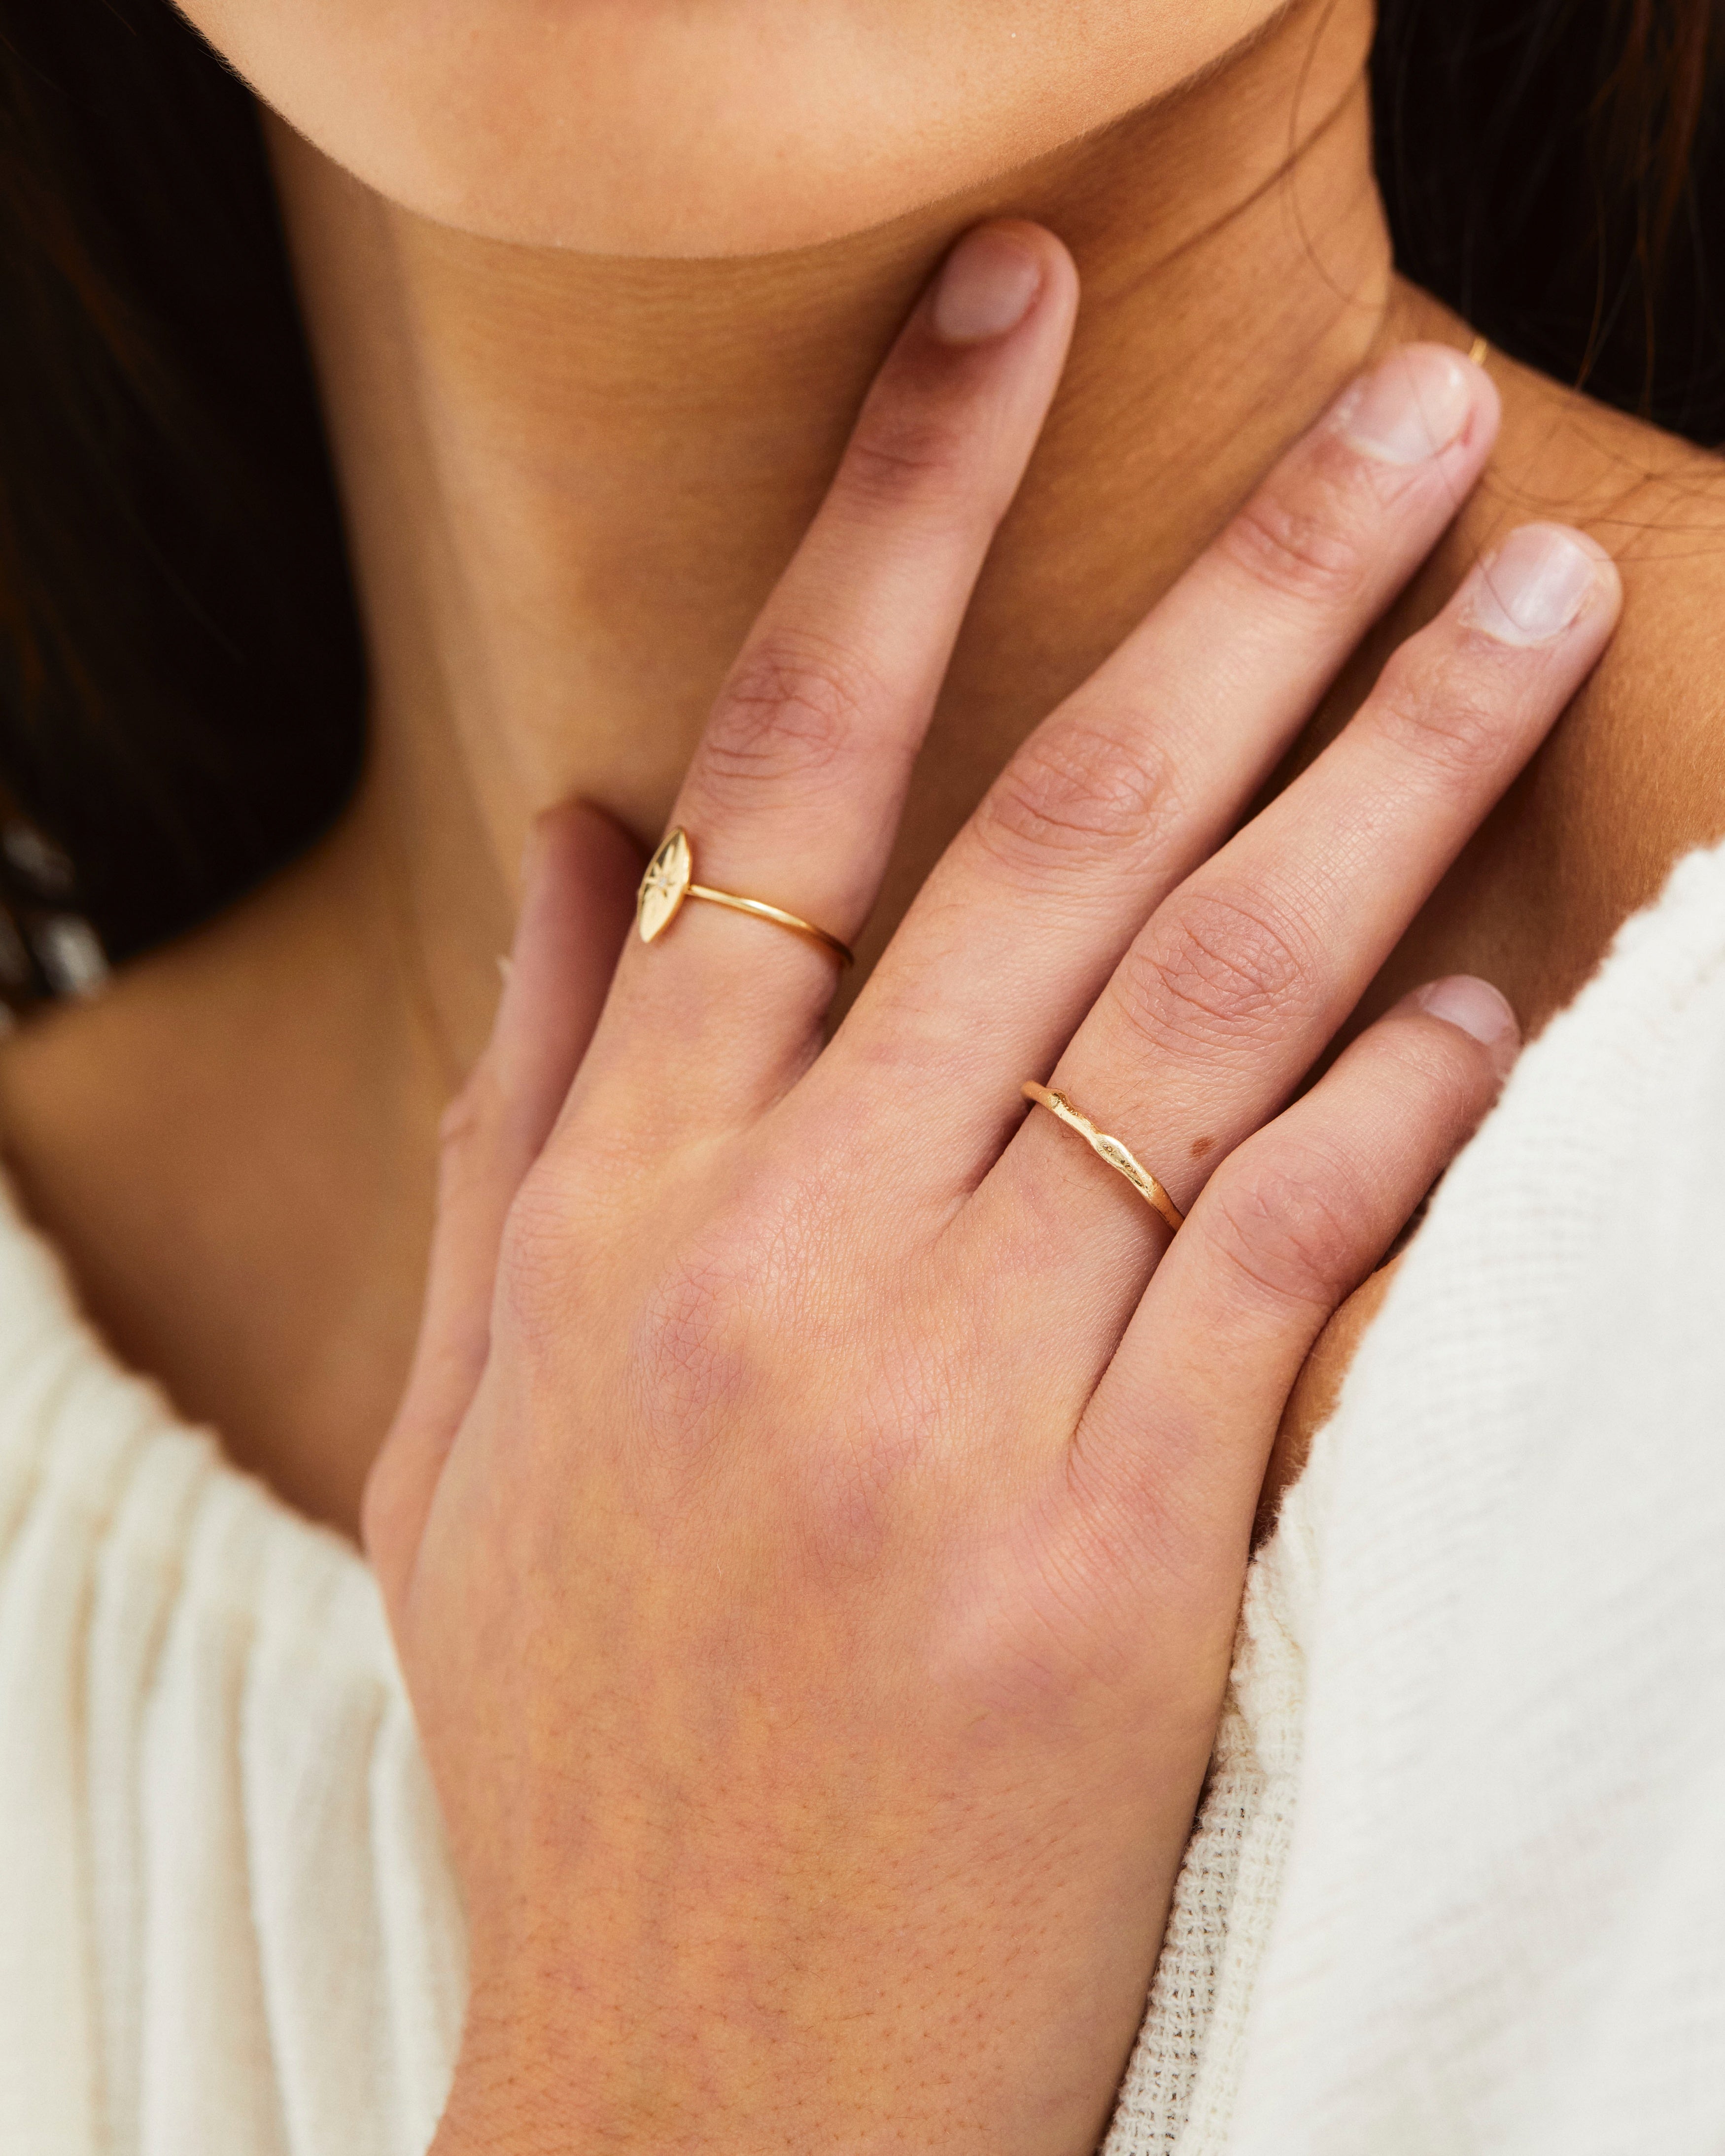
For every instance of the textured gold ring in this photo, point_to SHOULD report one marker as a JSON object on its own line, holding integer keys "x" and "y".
{"x": 671, "y": 878}
{"x": 1109, "y": 1149}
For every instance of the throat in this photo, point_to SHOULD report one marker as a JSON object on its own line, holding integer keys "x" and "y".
{"x": 572, "y": 481}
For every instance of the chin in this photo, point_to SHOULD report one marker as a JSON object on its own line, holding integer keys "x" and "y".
{"x": 703, "y": 128}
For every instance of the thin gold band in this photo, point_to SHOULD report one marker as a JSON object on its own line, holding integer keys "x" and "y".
{"x": 1109, "y": 1149}
{"x": 1480, "y": 351}
{"x": 763, "y": 911}
{"x": 670, "y": 880}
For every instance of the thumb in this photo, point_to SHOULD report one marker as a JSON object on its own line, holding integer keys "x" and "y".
{"x": 576, "y": 901}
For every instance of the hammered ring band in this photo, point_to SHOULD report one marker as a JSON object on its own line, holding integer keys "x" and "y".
{"x": 1117, "y": 1156}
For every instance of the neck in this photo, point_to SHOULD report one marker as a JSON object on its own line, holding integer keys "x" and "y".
{"x": 572, "y": 481}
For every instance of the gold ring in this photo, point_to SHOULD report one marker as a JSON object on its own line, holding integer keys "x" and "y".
{"x": 671, "y": 878}
{"x": 1109, "y": 1149}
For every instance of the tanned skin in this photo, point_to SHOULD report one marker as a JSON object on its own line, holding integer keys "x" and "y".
{"x": 572, "y": 482}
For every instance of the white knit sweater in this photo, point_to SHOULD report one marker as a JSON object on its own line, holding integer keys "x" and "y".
{"x": 1459, "y": 1884}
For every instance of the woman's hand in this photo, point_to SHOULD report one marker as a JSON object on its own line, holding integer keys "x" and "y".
{"x": 1317, "y": 1391}
{"x": 815, "y": 1527}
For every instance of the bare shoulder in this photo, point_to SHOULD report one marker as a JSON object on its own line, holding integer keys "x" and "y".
{"x": 1633, "y": 777}
{"x": 1655, "y": 501}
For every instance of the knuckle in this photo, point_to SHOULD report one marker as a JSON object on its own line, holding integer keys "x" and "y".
{"x": 1300, "y": 543}
{"x": 1075, "y": 791}
{"x": 1217, "y": 974}
{"x": 718, "y": 1306}
{"x": 791, "y": 711}
{"x": 1426, "y": 1062}
{"x": 848, "y": 1487}
{"x": 1447, "y": 714}
{"x": 908, "y": 457}
{"x": 1296, "y": 1223}
{"x": 692, "y": 1341}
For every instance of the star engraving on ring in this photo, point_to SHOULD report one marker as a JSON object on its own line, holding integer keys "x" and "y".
{"x": 665, "y": 886}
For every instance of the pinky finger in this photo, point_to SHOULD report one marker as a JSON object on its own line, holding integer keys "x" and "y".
{"x": 1180, "y": 1428}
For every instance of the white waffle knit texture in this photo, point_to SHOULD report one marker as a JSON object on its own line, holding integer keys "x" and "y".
{"x": 1459, "y": 1880}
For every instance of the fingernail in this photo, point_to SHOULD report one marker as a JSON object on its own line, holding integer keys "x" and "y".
{"x": 986, "y": 288}
{"x": 1535, "y": 585}
{"x": 1414, "y": 407}
{"x": 1476, "y": 1006}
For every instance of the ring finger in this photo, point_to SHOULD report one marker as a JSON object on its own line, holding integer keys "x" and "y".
{"x": 1239, "y": 982}
{"x": 1284, "y": 1232}
{"x": 1146, "y": 768}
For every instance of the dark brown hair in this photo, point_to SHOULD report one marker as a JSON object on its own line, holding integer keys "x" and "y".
{"x": 1553, "y": 169}
{"x": 181, "y": 670}
{"x": 182, "y": 677}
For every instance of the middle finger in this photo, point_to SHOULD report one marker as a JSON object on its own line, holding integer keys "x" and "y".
{"x": 1236, "y": 986}
{"x": 1144, "y": 770}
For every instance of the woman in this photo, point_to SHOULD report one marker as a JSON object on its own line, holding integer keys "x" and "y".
{"x": 814, "y": 1528}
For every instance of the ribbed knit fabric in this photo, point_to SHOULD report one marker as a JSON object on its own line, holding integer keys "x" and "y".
{"x": 1467, "y": 1838}
{"x": 1458, "y": 1881}
{"x": 228, "y": 1927}
{"x": 1179, "y": 2095}
{"x": 1502, "y": 1922}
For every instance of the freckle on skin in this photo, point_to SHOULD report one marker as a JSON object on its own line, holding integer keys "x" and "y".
{"x": 1200, "y": 1147}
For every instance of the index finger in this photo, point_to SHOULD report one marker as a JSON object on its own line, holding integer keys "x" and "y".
{"x": 793, "y": 795}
